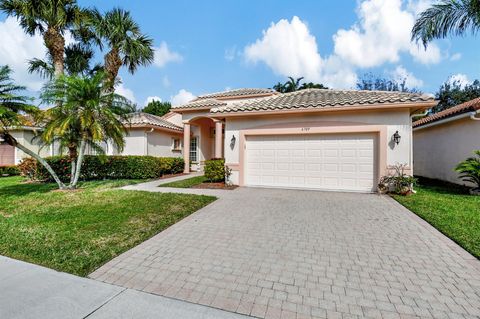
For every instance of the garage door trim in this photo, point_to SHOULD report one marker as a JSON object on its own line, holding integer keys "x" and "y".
{"x": 309, "y": 128}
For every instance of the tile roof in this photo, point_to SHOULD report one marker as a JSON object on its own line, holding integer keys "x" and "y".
{"x": 231, "y": 94}
{"x": 470, "y": 106}
{"x": 141, "y": 119}
{"x": 200, "y": 104}
{"x": 322, "y": 98}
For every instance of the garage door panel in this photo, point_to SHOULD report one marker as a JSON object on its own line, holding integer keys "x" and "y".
{"x": 330, "y": 162}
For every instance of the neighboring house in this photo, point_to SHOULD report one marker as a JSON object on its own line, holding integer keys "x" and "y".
{"x": 147, "y": 135}
{"x": 25, "y": 135}
{"x": 309, "y": 139}
{"x": 444, "y": 139}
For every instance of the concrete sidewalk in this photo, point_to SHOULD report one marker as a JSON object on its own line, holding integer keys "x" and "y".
{"x": 152, "y": 186}
{"x": 31, "y": 291}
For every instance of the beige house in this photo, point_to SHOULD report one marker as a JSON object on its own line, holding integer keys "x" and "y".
{"x": 147, "y": 135}
{"x": 444, "y": 139}
{"x": 309, "y": 139}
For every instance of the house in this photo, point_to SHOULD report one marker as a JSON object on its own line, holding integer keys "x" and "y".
{"x": 309, "y": 139}
{"x": 147, "y": 135}
{"x": 444, "y": 139}
{"x": 25, "y": 135}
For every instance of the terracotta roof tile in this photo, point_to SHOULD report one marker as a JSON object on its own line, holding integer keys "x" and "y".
{"x": 469, "y": 106}
{"x": 231, "y": 94}
{"x": 200, "y": 104}
{"x": 321, "y": 98}
{"x": 140, "y": 118}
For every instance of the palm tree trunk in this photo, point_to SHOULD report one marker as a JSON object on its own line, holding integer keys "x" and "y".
{"x": 72, "y": 153}
{"x": 13, "y": 142}
{"x": 113, "y": 63}
{"x": 83, "y": 145}
{"x": 55, "y": 43}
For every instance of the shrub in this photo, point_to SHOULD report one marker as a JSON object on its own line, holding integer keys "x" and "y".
{"x": 398, "y": 182}
{"x": 9, "y": 171}
{"x": 99, "y": 167}
{"x": 215, "y": 170}
{"x": 29, "y": 168}
{"x": 469, "y": 169}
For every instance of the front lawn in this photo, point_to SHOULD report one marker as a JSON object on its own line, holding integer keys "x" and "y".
{"x": 78, "y": 231}
{"x": 186, "y": 183}
{"x": 449, "y": 209}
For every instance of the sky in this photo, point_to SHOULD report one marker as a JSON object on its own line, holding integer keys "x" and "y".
{"x": 212, "y": 45}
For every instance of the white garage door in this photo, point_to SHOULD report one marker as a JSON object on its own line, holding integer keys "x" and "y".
{"x": 340, "y": 162}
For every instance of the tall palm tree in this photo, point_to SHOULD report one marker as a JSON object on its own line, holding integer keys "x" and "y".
{"x": 127, "y": 45}
{"x": 49, "y": 18}
{"x": 12, "y": 107}
{"x": 83, "y": 110}
{"x": 447, "y": 17}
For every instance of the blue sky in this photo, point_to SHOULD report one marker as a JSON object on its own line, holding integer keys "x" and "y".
{"x": 207, "y": 46}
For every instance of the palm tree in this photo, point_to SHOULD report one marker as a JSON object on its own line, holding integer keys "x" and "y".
{"x": 49, "y": 18}
{"x": 448, "y": 17}
{"x": 292, "y": 84}
{"x": 85, "y": 112}
{"x": 12, "y": 105}
{"x": 127, "y": 45}
{"x": 77, "y": 61}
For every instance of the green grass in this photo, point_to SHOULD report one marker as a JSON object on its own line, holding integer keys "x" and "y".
{"x": 78, "y": 231}
{"x": 450, "y": 210}
{"x": 186, "y": 183}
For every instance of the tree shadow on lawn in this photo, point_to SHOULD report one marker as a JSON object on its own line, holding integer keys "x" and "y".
{"x": 26, "y": 188}
{"x": 442, "y": 187}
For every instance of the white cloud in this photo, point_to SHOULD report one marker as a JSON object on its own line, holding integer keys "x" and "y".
{"x": 288, "y": 49}
{"x": 400, "y": 74}
{"x": 125, "y": 92}
{"x": 163, "y": 55}
{"x": 16, "y": 49}
{"x": 460, "y": 78}
{"x": 151, "y": 99}
{"x": 182, "y": 97}
{"x": 456, "y": 56}
{"x": 382, "y": 34}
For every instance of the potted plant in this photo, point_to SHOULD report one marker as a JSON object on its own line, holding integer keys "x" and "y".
{"x": 397, "y": 182}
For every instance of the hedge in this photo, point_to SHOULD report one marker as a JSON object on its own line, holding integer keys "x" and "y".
{"x": 99, "y": 167}
{"x": 9, "y": 171}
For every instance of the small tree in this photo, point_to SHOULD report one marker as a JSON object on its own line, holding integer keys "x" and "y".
{"x": 12, "y": 105}
{"x": 83, "y": 111}
{"x": 157, "y": 108}
{"x": 452, "y": 93}
{"x": 469, "y": 169}
{"x": 370, "y": 82}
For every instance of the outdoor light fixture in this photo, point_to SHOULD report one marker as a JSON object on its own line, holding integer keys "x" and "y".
{"x": 396, "y": 138}
{"x": 232, "y": 142}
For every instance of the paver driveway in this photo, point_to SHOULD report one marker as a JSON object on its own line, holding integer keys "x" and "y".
{"x": 302, "y": 254}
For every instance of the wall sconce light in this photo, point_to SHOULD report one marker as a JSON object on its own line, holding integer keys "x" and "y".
{"x": 396, "y": 138}
{"x": 232, "y": 142}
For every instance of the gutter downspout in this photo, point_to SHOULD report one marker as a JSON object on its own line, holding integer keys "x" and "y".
{"x": 473, "y": 115}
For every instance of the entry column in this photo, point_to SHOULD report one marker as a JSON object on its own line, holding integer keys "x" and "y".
{"x": 186, "y": 147}
{"x": 218, "y": 139}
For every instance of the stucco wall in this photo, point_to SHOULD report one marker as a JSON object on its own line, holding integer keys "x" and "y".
{"x": 438, "y": 149}
{"x": 396, "y": 120}
{"x": 26, "y": 138}
{"x": 160, "y": 144}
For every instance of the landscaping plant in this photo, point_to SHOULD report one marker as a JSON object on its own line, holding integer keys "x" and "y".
{"x": 397, "y": 182}
{"x": 469, "y": 171}
{"x": 215, "y": 170}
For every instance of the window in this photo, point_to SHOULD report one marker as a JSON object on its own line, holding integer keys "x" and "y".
{"x": 193, "y": 149}
{"x": 176, "y": 146}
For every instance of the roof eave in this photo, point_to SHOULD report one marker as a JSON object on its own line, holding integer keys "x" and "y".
{"x": 156, "y": 127}
{"x": 414, "y": 107}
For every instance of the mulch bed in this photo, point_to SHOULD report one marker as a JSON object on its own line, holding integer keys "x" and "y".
{"x": 172, "y": 175}
{"x": 215, "y": 186}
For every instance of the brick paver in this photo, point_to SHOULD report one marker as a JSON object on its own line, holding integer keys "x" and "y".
{"x": 303, "y": 254}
